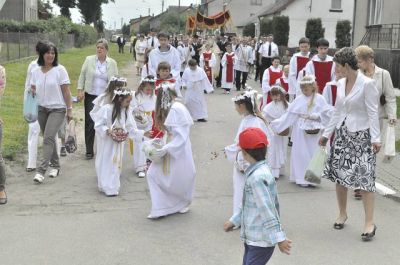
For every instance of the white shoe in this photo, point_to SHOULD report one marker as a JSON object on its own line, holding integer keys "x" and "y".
{"x": 153, "y": 217}
{"x": 53, "y": 173}
{"x": 38, "y": 178}
{"x": 141, "y": 174}
{"x": 184, "y": 210}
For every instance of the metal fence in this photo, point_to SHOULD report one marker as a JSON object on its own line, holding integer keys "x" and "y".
{"x": 385, "y": 36}
{"x": 17, "y": 45}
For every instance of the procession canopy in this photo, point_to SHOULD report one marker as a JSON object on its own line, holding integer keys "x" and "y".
{"x": 212, "y": 22}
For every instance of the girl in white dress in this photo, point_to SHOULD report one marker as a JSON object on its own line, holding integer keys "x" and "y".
{"x": 277, "y": 148}
{"x": 114, "y": 123}
{"x": 308, "y": 115}
{"x": 106, "y": 98}
{"x": 246, "y": 106}
{"x": 143, "y": 104}
{"x": 171, "y": 180}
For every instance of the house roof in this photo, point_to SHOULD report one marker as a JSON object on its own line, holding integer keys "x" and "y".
{"x": 173, "y": 9}
{"x": 268, "y": 10}
{"x": 135, "y": 20}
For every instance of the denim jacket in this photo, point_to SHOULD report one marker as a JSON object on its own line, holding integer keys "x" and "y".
{"x": 259, "y": 215}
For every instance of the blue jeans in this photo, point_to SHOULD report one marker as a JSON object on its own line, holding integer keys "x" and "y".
{"x": 257, "y": 255}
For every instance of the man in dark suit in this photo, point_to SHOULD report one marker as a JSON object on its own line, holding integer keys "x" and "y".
{"x": 221, "y": 40}
{"x": 121, "y": 44}
{"x": 196, "y": 47}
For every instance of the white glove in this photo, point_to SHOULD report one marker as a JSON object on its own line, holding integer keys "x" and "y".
{"x": 314, "y": 116}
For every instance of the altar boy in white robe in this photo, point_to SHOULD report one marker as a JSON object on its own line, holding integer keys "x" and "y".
{"x": 308, "y": 115}
{"x": 171, "y": 180}
{"x": 113, "y": 123}
{"x": 196, "y": 81}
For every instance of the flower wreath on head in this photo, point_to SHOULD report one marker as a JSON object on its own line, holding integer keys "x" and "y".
{"x": 279, "y": 88}
{"x": 147, "y": 80}
{"x": 118, "y": 79}
{"x": 122, "y": 92}
{"x": 250, "y": 93}
{"x": 307, "y": 82}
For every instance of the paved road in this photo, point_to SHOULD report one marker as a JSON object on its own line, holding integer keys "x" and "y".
{"x": 67, "y": 221}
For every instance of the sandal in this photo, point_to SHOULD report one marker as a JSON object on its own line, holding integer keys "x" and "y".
{"x": 339, "y": 226}
{"x": 368, "y": 236}
{"x": 3, "y": 200}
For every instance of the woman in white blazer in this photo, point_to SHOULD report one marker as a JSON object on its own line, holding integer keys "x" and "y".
{"x": 352, "y": 159}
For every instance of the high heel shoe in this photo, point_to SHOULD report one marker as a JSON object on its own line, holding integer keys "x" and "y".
{"x": 339, "y": 226}
{"x": 368, "y": 236}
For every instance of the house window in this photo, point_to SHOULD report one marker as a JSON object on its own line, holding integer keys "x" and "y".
{"x": 256, "y": 2}
{"x": 336, "y": 6}
{"x": 375, "y": 12}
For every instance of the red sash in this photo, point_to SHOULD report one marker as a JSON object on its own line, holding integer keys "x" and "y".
{"x": 322, "y": 73}
{"x": 284, "y": 84}
{"x": 334, "y": 93}
{"x": 207, "y": 68}
{"x": 229, "y": 68}
{"x": 301, "y": 63}
{"x": 273, "y": 76}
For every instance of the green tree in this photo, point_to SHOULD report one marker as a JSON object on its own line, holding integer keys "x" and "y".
{"x": 280, "y": 30}
{"x": 65, "y": 5}
{"x": 44, "y": 10}
{"x": 266, "y": 26}
{"x": 144, "y": 28}
{"x": 126, "y": 30}
{"x": 314, "y": 30}
{"x": 171, "y": 22}
{"x": 92, "y": 12}
{"x": 343, "y": 35}
{"x": 249, "y": 30}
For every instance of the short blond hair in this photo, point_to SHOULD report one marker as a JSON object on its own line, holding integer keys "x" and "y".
{"x": 364, "y": 52}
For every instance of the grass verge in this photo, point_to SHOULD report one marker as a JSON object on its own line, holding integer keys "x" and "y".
{"x": 15, "y": 129}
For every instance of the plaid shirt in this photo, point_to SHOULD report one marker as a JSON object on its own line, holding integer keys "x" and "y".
{"x": 259, "y": 216}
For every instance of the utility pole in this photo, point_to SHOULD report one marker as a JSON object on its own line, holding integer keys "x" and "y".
{"x": 162, "y": 6}
{"x": 179, "y": 16}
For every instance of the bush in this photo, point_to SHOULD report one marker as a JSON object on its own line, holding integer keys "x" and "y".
{"x": 84, "y": 35}
{"x": 266, "y": 26}
{"x": 343, "y": 35}
{"x": 249, "y": 30}
{"x": 314, "y": 30}
{"x": 144, "y": 28}
{"x": 280, "y": 30}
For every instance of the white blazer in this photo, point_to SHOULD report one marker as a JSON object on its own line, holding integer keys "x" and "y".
{"x": 359, "y": 108}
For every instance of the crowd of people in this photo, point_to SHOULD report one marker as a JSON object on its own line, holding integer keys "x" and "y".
{"x": 305, "y": 101}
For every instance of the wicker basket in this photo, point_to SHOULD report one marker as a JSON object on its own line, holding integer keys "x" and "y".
{"x": 284, "y": 132}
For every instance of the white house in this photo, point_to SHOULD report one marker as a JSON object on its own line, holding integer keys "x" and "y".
{"x": 299, "y": 11}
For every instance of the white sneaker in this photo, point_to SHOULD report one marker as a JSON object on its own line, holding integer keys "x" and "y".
{"x": 152, "y": 217}
{"x": 53, "y": 173}
{"x": 38, "y": 178}
{"x": 141, "y": 174}
{"x": 184, "y": 210}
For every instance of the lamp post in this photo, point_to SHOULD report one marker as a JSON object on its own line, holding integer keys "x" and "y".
{"x": 255, "y": 29}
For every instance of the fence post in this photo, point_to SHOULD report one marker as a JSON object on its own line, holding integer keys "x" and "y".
{"x": 8, "y": 48}
{"x": 379, "y": 33}
{"x": 27, "y": 50}
{"x": 391, "y": 36}
{"x": 19, "y": 44}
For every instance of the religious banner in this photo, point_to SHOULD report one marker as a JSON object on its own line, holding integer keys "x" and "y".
{"x": 212, "y": 22}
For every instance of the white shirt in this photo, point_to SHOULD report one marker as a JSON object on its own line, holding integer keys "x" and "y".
{"x": 155, "y": 41}
{"x": 265, "y": 81}
{"x": 32, "y": 67}
{"x": 264, "y": 50}
{"x": 48, "y": 86}
{"x": 100, "y": 78}
{"x": 171, "y": 56}
{"x": 310, "y": 70}
{"x": 293, "y": 72}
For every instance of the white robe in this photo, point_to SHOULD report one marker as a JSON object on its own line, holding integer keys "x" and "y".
{"x": 244, "y": 57}
{"x": 277, "y": 147}
{"x": 196, "y": 82}
{"x": 304, "y": 145}
{"x": 327, "y": 93}
{"x": 265, "y": 81}
{"x": 145, "y": 105}
{"x": 233, "y": 154}
{"x": 224, "y": 83}
{"x": 186, "y": 53}
{"x": 293, "y": 83}
{"x": 173, "y": 190}
{"x": 171, "y": 56}
{"x": 109, "y": 158}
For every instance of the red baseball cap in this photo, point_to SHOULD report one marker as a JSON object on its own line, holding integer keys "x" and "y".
{"x": 252, "y": 138}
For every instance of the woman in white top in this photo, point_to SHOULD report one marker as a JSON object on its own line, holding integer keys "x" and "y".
{"x": 140, "y": 48}
{"x": 352, "y": 159}
{"x": 50, "y": 83}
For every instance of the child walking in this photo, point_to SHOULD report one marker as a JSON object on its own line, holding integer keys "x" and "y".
{"x": 171, "y": 180}
{"x": 308, "y": 115}
{"x": 227, "y": 63}
{"x": 261, "y": 228}
{"x": 246, "y": 106}
{"x": 114, "y": 123}
{"x": 196, "y": 82}
{"x": 143, "y": 104}
{"x": 270, "y": 77}
{"x": 278, "y": 144}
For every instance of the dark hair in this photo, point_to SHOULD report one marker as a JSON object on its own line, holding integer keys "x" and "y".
{"x": 116, "y": 113}
{"x": 257, "y": 154}
{"x": 114, "y": 85}
{"x": 192, "y": 62}
{"x": 304, "y": 40}
{"x": 146, "y": 55}
{"x": 162, "y": 35}
{"x": 144, "y": 83}
{"x": 348, "y": 56}
{"x": 322, "y": 42}
{"x": 275, "y": 90}
{"x": 163, "y": 66}
{"x": 195, "y": 36}
{"x": 253, "y": 110}
{"x": 45, "y": 48}
{"x": 228, "y": 44}
{"x": 39, "y": 45}
{"x": 276, "y": 58}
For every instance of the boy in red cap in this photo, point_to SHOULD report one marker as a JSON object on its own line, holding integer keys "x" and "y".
{"x": 259, "y": 216}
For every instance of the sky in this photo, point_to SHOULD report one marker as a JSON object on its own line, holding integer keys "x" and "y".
{"x": 125, "y": 10}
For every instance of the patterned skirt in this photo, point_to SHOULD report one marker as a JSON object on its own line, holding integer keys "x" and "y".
{"x": 351, "y": 162}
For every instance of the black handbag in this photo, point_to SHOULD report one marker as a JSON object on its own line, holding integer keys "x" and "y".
{"x": 382, "y": 98}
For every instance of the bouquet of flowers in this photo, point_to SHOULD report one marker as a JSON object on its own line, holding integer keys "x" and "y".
{"x": 152, "y": 148}
{"x": 119, "y": 134}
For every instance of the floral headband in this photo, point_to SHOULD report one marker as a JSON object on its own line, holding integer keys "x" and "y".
{"x": 279, "y": 88}
{"x": 147, "y": 80}
{"x": 123, "y": 92}
{"x": 304, "y": 81}
{"x": 251, "y": 94}
{"x": 118, "y": 79}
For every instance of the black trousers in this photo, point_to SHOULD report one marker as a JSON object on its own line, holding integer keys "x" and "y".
{"x": 239, "y": 74}
{"x": 265, "y": 63}
{"x": 121, "y": 48}
{"x": 218, "y": 79}
{"x": 258, "y": 71}
{"x": 89, "y": 124}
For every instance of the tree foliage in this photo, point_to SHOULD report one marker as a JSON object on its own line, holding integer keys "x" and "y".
{"x": 171, "y": 22}
{"x": 91, "y": 12}
{"x": 249, "y": 30}
{"x": 280, "y": 30}
{"x": 343, "y": 35}
{"x": 266, "y": 26}
{"x": 144, "y": 28}
{"x": 44, "y": 9}
{"x": 65, "y": 5}
{"x": 314, "y": 30}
